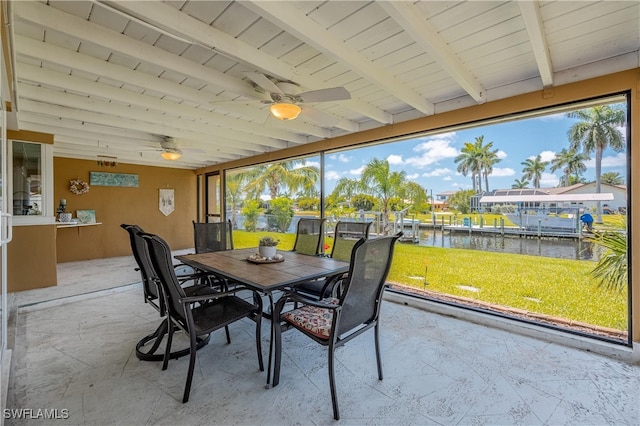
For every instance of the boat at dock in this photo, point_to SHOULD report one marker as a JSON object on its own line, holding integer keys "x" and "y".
{"x": 544, "y": 212}
{"x": 544, "y": 220}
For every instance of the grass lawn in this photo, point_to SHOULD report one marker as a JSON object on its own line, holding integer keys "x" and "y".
{"x": 556, "y": 287}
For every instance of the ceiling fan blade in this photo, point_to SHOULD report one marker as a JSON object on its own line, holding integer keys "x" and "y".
{"x": 325, "y": 95}
{"x": 264, "y": 82}
{"x": 193, "y": 151}
{"x": 319, "y": 116}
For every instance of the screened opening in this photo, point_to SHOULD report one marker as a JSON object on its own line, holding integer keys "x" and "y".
{"x": 493, "y": 214}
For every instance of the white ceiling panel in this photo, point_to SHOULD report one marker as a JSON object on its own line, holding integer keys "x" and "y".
{"x": 113, "y": 77}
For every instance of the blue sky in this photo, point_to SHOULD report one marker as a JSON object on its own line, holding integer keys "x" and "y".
{"x": 429, "y": 160}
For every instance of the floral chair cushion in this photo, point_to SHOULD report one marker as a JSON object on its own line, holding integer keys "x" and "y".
{"x": 315, "y": 320}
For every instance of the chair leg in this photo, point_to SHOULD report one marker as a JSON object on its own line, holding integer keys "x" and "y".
{"x": 332, "y": 383}
{"x": 276, "y": 336}
{"x": 226, "y": 330}
{"x": 258, "y": 320}
{"x": 192, "y": 364}
{"x": 378, "y": 357}
{"x": 157, "y": 337}
{"x": 167, "y": 351}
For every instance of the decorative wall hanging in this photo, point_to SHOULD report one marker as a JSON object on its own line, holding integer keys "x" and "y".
{"x": 113, "y": 179}
{"x": 166, "y": 201}
{"x": 86, "y": 216}
{"x": 78, "y": 187}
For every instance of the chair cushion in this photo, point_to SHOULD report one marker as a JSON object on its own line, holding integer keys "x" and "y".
{"x": 307, "y": 244}
{"x": 316, "y": 321}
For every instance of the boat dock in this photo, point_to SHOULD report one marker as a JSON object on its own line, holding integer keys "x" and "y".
{"x": 503, "y": 231}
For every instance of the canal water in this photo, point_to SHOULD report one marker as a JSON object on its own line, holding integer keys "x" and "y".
{"x": 562, "y": 248}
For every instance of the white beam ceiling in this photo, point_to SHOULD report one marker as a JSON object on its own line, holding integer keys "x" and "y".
{"x": 409, "y": 17}
{"x": 530, "y": 11}
{"x": 115, "y": 77}
{"x": 307, "y": 30}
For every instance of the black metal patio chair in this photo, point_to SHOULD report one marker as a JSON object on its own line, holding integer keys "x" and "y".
{"x": 332, "y": 322}
{"x": 309, "y": 236}
{"x": 212, "y": 236}
{"x": 346, "y": 235}
{"x": 153, "y": 295}
{"x": 199, "y": 315}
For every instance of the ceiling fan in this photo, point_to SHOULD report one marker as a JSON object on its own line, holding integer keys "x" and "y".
{"x": 286, "y": 96}
{"x": 170, "y": 150}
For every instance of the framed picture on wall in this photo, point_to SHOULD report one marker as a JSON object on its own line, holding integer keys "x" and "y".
{"x": 86, "y": 216}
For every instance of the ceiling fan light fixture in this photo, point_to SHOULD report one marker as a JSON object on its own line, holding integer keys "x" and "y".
{"x": 285, "y": 111}
{"x": 171, "y": 154}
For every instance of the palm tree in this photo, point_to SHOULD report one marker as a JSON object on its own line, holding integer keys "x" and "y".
{"x": 415, "y": 194}
{"x": 520, "y": 184}
{"x": 473, "y": 158}
{"x": 571, "y": 162}
{"x": 488, "y": 158}
{"x": 384, "y": 184}
{"x": 612, "y": 268}
{"x": 612, "y": 178}
{"x": 597, "y": 130}
{"x": 234, "y": 185}
{"x": 292, "y": 174}
{"x": 347, "y": 188}
{"x": 533, "y": 169}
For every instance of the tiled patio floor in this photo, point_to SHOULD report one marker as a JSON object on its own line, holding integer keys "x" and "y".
{"x": 77, "y": 353}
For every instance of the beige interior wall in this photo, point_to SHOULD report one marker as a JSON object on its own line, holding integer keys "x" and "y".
{"x": 31, "y": 258}
{"x": 626, "y": 81}
{"x": 117, "y": 205}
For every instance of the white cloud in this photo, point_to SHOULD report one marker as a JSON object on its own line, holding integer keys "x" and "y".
{"x": 413, "y": 176}
{"x": 618, "y": 160}
{"x": 357, "y": 172}
{"x": 341, "y": 158}
{"x": 502, "y": 171}
{"x": 394, "y": 159}
{"x": 549, "y": 180}
{"x": 501, "y": 154}
{"x": 438, "y": 172}
{"x": 332, "y": 175}
{"x": 547, "y": 155}
{"x": 433, "y": 150}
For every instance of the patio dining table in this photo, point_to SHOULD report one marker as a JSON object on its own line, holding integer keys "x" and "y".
{"x": 266, "y": 278}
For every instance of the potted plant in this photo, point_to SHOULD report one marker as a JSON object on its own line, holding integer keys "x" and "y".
{"x": 267, "y": 246}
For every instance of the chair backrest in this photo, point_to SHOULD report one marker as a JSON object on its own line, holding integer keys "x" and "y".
{"x": 160, "y": 255}
{"x": 152, "y": 293}
{"x": 346, "y": 235}
{"x": 214, "y": 236}
{"x": 362, "y": 294}
{"x": 309, "y": 236}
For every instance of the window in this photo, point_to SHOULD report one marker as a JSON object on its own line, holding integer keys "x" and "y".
{"x": 31, "y": 182}
{"x": 437, "y": 186}
{"x": 523, "y": 259}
